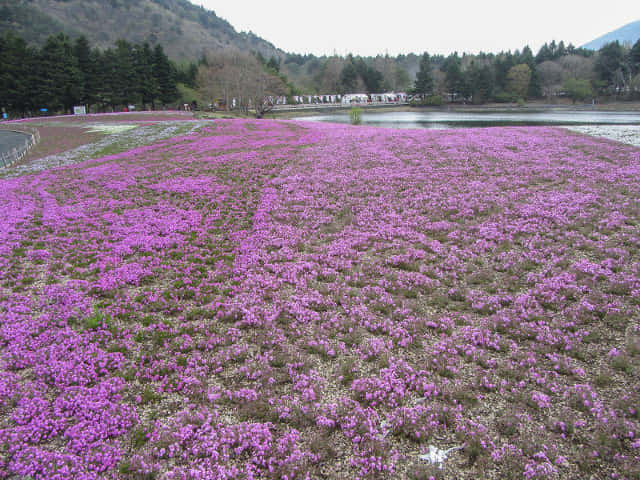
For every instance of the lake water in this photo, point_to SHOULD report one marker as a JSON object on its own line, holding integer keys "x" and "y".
{"x": 444, "y": 120}
{"x": 620, "y": 126}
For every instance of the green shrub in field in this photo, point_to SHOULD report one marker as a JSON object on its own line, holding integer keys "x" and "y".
{"x": 355, "y": 115}
{"x": 97, "y": 319}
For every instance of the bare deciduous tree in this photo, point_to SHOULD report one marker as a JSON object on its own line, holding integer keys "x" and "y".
{"x": 551, "y": 78}
{"x": 575, "y": 66}
{"x": 232, "y": 75}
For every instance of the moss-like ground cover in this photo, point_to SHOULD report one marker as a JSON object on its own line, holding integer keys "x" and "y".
{"x": 265, "y": 299}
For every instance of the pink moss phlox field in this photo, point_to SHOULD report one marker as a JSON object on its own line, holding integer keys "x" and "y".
{"x": 281, "y": 300}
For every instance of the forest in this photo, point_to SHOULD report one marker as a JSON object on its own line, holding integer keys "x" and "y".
{"x": 556, "y": 71}
{"x": 64, "y": 72}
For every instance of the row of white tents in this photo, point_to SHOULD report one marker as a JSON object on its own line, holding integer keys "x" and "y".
{"x": 349, "y": 98}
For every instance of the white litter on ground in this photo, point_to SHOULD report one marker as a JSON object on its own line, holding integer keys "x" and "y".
{"x": 437, "y": 456}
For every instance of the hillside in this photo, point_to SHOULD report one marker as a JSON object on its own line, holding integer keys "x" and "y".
{"x": 184, "y": 30}
{"x": 629, "y": 33}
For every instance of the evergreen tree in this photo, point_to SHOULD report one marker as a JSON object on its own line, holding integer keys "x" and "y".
{"x": 125, "y": 87}
{"x": 634, "y": 58}
{"x": 94, "y": 77}
{"x": 146, "y": 82}
{"x": 18, "y": 75}
{"x": 108, "y": 93}
{"x": 187, "y": 74}
{"x": 503, "y": 63}
{"x": 454, "y": 79}
{"x": 60, "y": 77}
{"x": 349, "y": 78}
{"x": 372, "y": 78}
{"x": 424, "y": 78}
{"x": 480, "y": 80}
{"x": 562, "y": 50}
{"x": 545, "y": 54}
{"x": 164, "y": 74}
{"x": 86, "y": 65}
{"x": 535, "y": 84}
{"x": 610, "y": 67}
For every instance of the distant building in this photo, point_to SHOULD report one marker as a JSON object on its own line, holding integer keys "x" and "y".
{"x": 355, "y": 98}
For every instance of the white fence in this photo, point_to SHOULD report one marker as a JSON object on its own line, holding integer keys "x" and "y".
{"x": 17, "y": 153}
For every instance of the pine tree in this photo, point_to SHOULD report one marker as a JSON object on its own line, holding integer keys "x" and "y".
{"x": 164, "y": 74}
{"x": 503, "y": 63}
{"x": 94, "y": 77}
{"x": 60, "y": 76}
{"x": 480, "y": 81}
{"x": 125, "y": 81}
{"x": 634, "y": 58}
{"x": 424, "y": 78}
{"x": 145, "y": 79}
{"x": 82, "y": 52}
{"x": 372, "y": 78}
{"x": 610, "y": 67}
{"x": 349, "y": 78}
{"x": 18, "y": 75}
{"x": 453, "y": 75}
{"x": 108, "y": 78}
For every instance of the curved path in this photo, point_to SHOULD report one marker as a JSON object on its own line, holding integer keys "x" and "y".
{"x": 10, "y": 140}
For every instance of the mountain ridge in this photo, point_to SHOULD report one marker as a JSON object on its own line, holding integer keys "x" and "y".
{"x": 183, "y": 29}
{"x": 629, "y": 33}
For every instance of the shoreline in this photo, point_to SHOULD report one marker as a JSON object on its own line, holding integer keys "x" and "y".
{"x": 532, "y": 107}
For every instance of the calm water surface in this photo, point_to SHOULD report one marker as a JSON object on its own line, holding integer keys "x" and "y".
{"x": 444, "y": 120}
{"x": 619, "y": 126}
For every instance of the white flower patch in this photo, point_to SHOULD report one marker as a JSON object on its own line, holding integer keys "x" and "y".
{"x": 629, "y": 134}
{"x": 111, "y": 128}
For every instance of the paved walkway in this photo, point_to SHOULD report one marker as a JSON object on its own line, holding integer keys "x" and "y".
{"x": 10, "y": 140}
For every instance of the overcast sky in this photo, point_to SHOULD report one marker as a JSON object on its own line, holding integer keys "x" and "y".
{"x": 372, "y": 27}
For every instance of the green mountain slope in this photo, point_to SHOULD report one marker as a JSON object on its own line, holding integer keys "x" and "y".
{"x": 184, "y": 30}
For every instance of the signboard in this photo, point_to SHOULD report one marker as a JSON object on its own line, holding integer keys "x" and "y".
{"x": 81, "y": 110}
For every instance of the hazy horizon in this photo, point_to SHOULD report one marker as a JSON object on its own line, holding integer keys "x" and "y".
{"x": 372, "y": 28}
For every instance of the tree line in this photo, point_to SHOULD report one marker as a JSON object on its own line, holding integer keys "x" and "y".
{"x": 65, "y": 73}
{"x": 557, "y": 70}
{"x": 579, "y": 74}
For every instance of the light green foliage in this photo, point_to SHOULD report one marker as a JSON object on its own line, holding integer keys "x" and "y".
{"x": 355, "y": 114}
{"x": 518, "y": 79}
{"x": 577, "y": 89}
